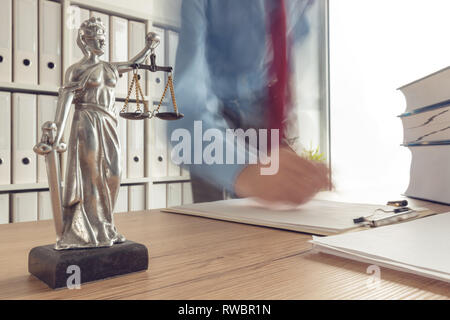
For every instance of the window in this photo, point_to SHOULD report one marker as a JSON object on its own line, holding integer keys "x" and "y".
{"x": 311, "y": 79}
{"x": 375, "y": 47}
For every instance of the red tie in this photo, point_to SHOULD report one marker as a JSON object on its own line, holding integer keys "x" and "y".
{"x": 278, "y": 69}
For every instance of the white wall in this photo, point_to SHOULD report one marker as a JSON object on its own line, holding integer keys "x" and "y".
{"x": 163, "y": 11}
{"x": 375, "y": 47}
{"x": 144, "y": 6}
{"x": 167, "y": 11}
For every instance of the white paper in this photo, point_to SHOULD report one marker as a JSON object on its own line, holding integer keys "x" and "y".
{"x": 316, "y": 216}
{"x": 421, "y": 245}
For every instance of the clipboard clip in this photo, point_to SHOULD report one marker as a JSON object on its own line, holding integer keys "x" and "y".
{"x": 402, "y": 212}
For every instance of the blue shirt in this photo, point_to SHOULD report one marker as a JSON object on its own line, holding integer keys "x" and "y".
{"x": 222, "y": 67}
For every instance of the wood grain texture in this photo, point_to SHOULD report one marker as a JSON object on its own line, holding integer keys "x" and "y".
{"x": 199, "y": 258}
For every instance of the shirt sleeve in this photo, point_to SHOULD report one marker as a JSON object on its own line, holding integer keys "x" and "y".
{"x": 299, "y": 27}
{"x": 196, "y": 99}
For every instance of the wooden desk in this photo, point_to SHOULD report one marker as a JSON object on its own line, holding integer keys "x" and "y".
{"x": 198, "y": 258}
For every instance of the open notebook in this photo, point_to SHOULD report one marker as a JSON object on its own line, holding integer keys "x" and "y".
{"x": 319, "y": 217}
{"x": 420, "y": 246}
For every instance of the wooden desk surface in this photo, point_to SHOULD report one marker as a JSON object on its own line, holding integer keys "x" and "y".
{"x": 198, "y": 258}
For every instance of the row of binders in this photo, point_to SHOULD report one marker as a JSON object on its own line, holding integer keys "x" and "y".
{"x": 31, "y": 52}
{"x": 19, "y": 45}
{"x": 22, "y": 116}
{"x": 426, "y": 128}
{"x": 32, "y": 206}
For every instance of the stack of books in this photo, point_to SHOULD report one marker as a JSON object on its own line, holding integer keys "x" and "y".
{"x": 426, "y": 128}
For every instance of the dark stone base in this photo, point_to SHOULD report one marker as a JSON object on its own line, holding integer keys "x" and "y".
{"x": 51, "y": 266}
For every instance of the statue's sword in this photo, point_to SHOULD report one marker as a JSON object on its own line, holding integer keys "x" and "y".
{"x": 47, "y": 148}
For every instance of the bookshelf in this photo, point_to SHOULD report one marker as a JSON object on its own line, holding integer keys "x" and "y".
{"x": 150, "y": 19}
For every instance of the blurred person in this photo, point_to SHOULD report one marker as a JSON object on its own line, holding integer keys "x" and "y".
{"x": 233, "y": 62}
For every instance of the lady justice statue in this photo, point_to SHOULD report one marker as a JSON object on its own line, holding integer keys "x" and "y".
{"x": 83, "y": 212}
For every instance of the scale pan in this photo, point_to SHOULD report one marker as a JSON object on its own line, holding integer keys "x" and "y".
{"x": 135, "y": 115}
{"x": 169, "y": 115}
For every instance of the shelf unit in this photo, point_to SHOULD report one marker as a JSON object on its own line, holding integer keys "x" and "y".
{"x": 43, "y": 186}
{"x": 14, "y": 87}
{"x": 28, "y": 88}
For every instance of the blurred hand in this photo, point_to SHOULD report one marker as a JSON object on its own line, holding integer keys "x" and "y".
{"x": 296, "y": 182}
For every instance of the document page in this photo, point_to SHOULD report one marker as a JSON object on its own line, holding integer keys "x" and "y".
{"x": 418, "y": 245}
{"x": 316, "y": 216}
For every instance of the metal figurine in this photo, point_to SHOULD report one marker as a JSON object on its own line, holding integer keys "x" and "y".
{"x": 83, "y": 211}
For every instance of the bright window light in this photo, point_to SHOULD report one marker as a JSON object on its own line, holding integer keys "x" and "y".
{"x": 377, "y": 46}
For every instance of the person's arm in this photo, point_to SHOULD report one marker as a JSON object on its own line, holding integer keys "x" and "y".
{"x": 298, "y": 27}
{"x": 195, "y": 97}
{"x": 296, "y": 179}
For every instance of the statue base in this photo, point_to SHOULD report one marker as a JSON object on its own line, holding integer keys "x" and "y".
{"x": 68, "y": 268}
